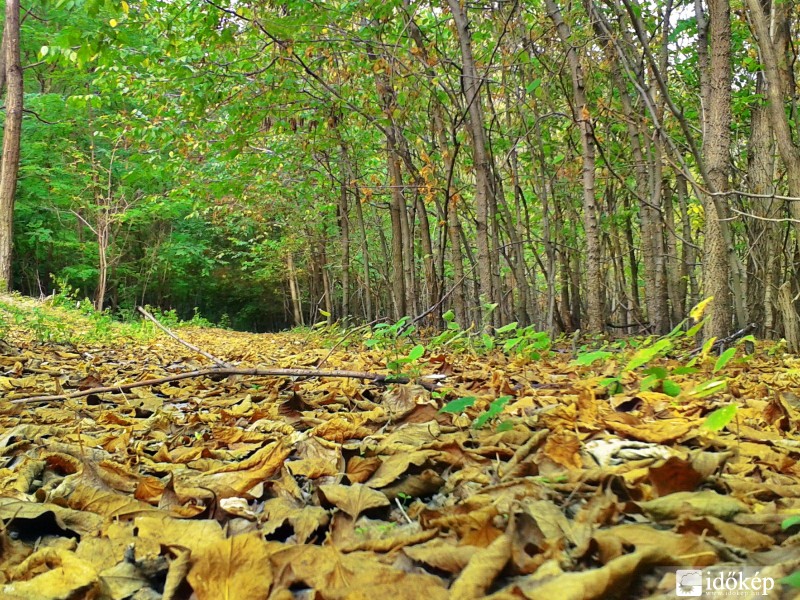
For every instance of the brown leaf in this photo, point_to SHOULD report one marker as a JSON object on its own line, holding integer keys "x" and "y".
{"x": 65, "y": 576}
{"x": 705, "y": 503}
{"x": 482, "y": 569}
{"x": 675, "y": 475}
{"x": 610, "y": 580}
{"x": 353, "y": 499}
{"x": 448, "y": 557}
{"x": 394, "y": 466}
{"x": 225, "y": 571}
{"x": 359, "y": 469}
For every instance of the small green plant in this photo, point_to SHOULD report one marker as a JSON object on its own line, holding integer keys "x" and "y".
{"x": 659, "y": 378}
{"x": 494, "y": 409}
{"x": 523, "y": 341}
{"x": 409, "y": 364}
{"x": 388, "y": 336}
{"x": 458, "y": 405}
{"x": 393, "y": 338}
{"x": 453, "y": 334}
{"x": 717, "y": 420}
{"x": 793, "y": 579}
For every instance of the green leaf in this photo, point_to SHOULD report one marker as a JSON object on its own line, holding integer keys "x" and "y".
{"x": 647, "y": 354}
{"x": 677, "y": 330}
{"x": 533, "y": 85}
{"x": 648, "y": 383}
{"x": 416, "y": 352}
{"x": 723, "y": 359}
{"x": 670, "y": 388}
{"x": 695, "y": 329}
{"x": 495, "y": 408}
{"x": 449, "y": 316}
{"x": 488, "y": 341}
{"x": 43, "y": 51}
{"x": 790, "y": 522}
{"x": 707, "y": 346}
{"x": 505, "y": 426}
{"x": 591, "y": 357}
{"x": 507, "y": 328}
{"x": 657, "y": 372}
{"x": 613, "y": 384}
{"x": 707, "y": 388}
{"x": 792, "y": 580}
{"x": 687, "y": 370}
{"x": 718, "y": 419}
{"x": 458, "y": 405}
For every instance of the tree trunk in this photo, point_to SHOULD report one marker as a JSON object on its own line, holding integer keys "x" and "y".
{"x": 591, "y": 222}
{"x": 716, "y": 150}
{"x": 297, "y": 310}
{"x": 484, "y": 193}
{"x": 344, "y": 233}
{"x": 9, "y": 163}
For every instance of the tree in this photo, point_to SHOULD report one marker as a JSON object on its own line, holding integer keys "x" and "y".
{"x": 9, "y": 162}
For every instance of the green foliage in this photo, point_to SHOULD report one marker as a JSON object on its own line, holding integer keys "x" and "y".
{"x": 523, "y": 341}
{"x": 495, "y": 408}
{"x": 407, "y": 364}
{"x": 720, "y": 418}
{"x": 591, "y": 357}
{"x": 452, "y": 337}
{"x": 790, "y": 522}
{"x": 458, "y": 405}
{"x": 792, "y": 580}
{"x": 724, "y": 359}
{"x": 647, "y": 353}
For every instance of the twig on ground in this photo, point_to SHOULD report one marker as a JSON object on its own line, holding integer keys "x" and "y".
{"x": 428, "y": 383}
{"x": 192, "y": 347}
{"x": 720, "y": 345}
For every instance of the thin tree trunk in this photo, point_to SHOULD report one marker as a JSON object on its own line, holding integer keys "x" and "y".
{"x": 297, "y": 310}
{"x": 368, "y": 314}
{"x": 344, "y": 232}
{"x": 716, "y": 150}
{"x": 9, "y": 162}
{"x": 591, "y": 223}
{"x": 484, "y": 193}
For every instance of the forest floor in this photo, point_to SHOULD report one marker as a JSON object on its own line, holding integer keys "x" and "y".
{"x": 521, "y": 476}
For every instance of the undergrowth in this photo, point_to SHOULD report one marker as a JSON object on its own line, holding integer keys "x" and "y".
{"x": 64, "y": 319}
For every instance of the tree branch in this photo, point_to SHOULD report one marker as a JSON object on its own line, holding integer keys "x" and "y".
{"x": 430, "y": 382}
{"x": 211, "y": 357}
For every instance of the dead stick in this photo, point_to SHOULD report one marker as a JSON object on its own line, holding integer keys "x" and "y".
{"x": 192, "y": 347}
{"x": 375, "y": 377}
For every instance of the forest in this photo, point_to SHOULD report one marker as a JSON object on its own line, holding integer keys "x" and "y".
{"x": 352, "y": 299}
{"x": 593, "y": 166}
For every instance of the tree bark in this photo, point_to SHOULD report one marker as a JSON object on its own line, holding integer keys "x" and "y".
{"x": 716, "y": 150}
{"x": 591, "y": 222}
{"x": 484, "y": 193}
{"x": 9, "y": 163}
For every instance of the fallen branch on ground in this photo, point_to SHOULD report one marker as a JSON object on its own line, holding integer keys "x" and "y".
{"x": 719, "y": 345}
{"x": 192, "y": 347}
{"x": 429, "y": 383}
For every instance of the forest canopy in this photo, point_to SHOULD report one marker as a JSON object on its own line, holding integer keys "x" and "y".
{"x": 583, "y": 165}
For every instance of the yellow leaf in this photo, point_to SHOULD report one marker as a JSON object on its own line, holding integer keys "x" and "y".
{"x": 125, "y": 7}
{"x": 697, "y": 311}
{"x": 225, "y": 570}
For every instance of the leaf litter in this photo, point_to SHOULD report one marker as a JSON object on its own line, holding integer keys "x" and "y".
{"x": 274, "y": 487}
